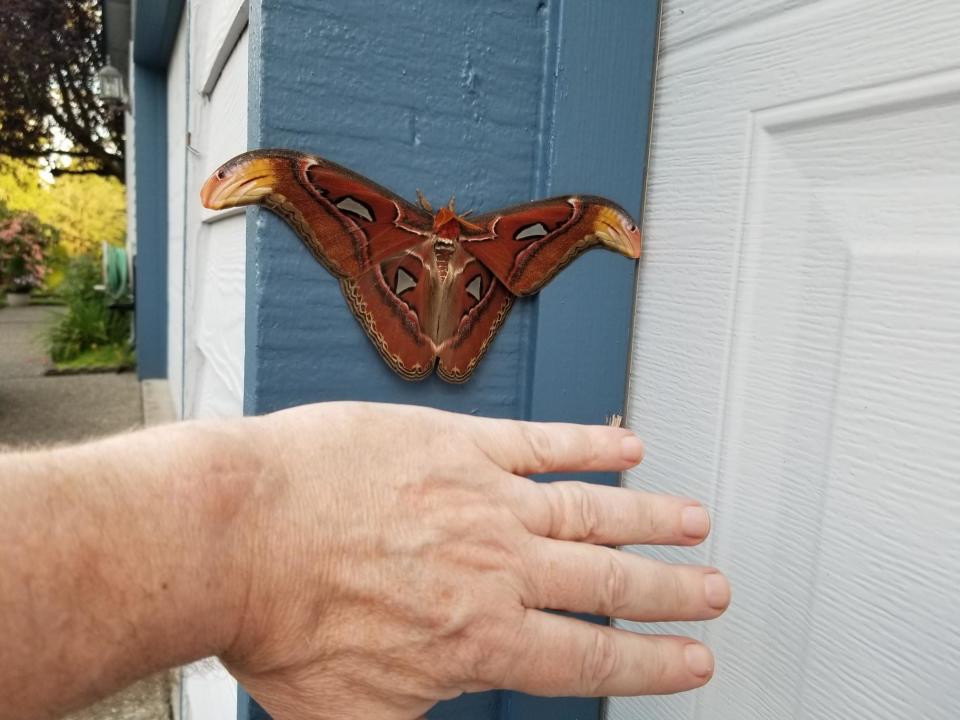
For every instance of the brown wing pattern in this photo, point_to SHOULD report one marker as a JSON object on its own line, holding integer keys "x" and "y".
{"x": 531, "y": 243}
{"x": 425, "y": 300}
{"x": 347, "y": 221}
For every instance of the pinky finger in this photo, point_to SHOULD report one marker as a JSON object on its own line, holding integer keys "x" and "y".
{"x": 559, "y": 655}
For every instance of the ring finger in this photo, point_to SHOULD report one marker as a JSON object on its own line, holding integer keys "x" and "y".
{"x": 593, "y": 579}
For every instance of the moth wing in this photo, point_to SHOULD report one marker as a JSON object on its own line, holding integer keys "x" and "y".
{"x": 387, "y": 302}
{"x": 373, "y": 222}
{"x": 347, "y": 221}
{"x": 473, "y": 321}
{"x": 527, "y": 245}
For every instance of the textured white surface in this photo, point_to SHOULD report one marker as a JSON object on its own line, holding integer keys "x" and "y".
{"x": 216, "y": 249}
{"x": 209, "y": 692}
{"x": 797, "y": 349}
{"x": 176, "y": 160}
{"x": 207, "y": 270}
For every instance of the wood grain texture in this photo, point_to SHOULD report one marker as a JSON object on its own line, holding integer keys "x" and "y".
{"x": 797, "y": 350}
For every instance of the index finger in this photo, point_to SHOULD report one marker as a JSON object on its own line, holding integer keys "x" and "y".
{"x": 524, "y": 448}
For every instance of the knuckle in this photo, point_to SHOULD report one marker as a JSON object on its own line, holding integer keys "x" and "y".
{"x": 540, "y": 445}
{"x": 584, "y": 512}
{"x": 678, "y": 589}
{"x": 599, "y": 663}
{"x": 574, "y": 514}
{"x": 615, "y": 591}
{"x": 487, "y": 659}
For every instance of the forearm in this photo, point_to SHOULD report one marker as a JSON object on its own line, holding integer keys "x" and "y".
{"x": 119, "y": 558}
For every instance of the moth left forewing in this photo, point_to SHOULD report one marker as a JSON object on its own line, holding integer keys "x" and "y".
{"x": 531, "y": 243}
{"x": 375, "y": 223}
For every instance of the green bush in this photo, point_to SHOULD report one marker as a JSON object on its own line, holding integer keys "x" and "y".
{"x": 88, "y": 323}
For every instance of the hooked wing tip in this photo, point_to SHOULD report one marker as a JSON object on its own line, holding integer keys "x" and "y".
{"x": 618, "y": 232}
{"x": 244, "y": 180}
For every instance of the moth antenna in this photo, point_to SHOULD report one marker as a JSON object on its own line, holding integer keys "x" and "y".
{"x": 453, "y": 203}
{"x": 424, "y": 203}
{"x": 468, "y": 212}
{"x": 469, "y": 225}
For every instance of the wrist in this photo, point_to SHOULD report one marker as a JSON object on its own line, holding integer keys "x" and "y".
{"x": 228, "y": 477}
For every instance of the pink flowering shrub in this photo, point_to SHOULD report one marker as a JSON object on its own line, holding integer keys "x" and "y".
{"x": 25, "y": 243}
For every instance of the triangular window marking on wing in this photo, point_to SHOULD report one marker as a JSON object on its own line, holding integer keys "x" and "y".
{"x": 528, "y": 232}
{"x": 474, "y": 288}
{"x": 405, "y": 281}
{"x": 355, "y": 207}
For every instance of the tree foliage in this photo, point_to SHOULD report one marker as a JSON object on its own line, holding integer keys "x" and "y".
{"x": 85, "y": 209}
{"x": 50, "y": 53}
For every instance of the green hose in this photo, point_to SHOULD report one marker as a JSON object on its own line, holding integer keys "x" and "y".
{"x": 115, "y": 273}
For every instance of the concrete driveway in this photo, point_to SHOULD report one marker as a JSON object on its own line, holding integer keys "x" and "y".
{"x": 35, "y": 409}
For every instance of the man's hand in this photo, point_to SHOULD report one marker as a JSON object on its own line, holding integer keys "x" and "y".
{"x": 344, "y": 560}
{"x": 398, "y": 556}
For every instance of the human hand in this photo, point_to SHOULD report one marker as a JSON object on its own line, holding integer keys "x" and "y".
{"x": 397, "y": 557}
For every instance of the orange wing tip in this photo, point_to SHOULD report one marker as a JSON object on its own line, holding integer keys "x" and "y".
{"x": 617, "y": 232}
{"x": 242, "y": 181}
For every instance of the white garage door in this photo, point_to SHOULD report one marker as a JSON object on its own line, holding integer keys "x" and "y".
{"x": 797, "y": 348}
{"x": 207, "y": 106}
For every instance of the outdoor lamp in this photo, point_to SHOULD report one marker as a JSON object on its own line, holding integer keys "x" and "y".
{"x": 111, "y": 87}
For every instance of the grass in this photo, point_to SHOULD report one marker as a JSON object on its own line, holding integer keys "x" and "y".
{"x": 106, "y": 357}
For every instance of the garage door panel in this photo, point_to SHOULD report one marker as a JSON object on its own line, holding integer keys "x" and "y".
{"x": 797, "y": 352}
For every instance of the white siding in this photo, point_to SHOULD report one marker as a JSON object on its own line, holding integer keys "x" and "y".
{"x": 206, "y": 251}
{"x": 217, "y": 252}
{"x": 797, "y": 349}
{"x": 206, "y": 256}
{"x": 176, "y": 152}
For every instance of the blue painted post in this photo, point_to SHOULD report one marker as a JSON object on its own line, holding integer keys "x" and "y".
{"x": 597, "y": 133}
{"x": 150, "y": 269}
{"x": 497, "y": 102}
{"x": 154, "y": 33}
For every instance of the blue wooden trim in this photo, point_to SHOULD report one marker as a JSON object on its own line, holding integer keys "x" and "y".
{"x": 247, "y": 707}
{"x": 605, "y": 62}
{"x": 150, "y": 270}
{"x": 155, "y": 25}
{"x": 498, "y": 102}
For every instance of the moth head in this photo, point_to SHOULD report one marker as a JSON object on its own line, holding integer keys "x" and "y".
{"x": 448, "y": 224}
{"x": 245, "y": 180}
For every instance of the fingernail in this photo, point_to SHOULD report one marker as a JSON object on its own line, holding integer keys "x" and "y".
{"x": 699, "y": 659}
{"x": 695, "y": 522}
{"x": 717, "y": 590}
{"x": 631, "y": 448}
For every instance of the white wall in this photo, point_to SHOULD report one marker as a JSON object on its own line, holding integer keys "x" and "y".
{"x": 176, "y": 168}
{"x": 206, "y": 251}
{"x": 797, "y": 350}
{"x": 216, "y": 251}
{"x": 206, "y": 115}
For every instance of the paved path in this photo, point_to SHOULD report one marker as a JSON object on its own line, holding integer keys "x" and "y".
{"x": 36, "y": 409}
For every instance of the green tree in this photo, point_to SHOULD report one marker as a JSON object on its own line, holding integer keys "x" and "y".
{"x": 85, "y": 209}
{"x": 50, "y": 53}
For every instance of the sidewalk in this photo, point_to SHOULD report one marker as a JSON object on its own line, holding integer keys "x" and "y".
{"x": 35, "y": 409}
